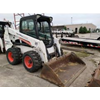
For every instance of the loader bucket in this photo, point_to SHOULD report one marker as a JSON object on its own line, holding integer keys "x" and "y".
{"x": 64, "y": 70}
{"x": 95, "y": 81}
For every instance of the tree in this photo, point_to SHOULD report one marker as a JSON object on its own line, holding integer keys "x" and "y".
{"x": 88, "y": 31}
{"x": 84, "y": 30}
{"x": 81, "y": 30}
{"x": 65, "y": 28}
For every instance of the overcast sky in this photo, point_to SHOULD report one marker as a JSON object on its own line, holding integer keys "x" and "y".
{"x": 61, "y": 19}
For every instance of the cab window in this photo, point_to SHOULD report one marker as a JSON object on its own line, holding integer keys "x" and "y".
{"x": 28, "y": 27}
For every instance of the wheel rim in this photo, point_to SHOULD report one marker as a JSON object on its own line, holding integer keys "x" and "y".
{"x": 28, "y": 62}
{"x": 10, "y": 57}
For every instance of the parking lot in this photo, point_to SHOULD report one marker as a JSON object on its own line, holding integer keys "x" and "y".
{"x": 17, "y": 76}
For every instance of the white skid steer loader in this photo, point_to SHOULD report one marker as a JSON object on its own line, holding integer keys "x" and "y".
{"x": 35, "y": 46}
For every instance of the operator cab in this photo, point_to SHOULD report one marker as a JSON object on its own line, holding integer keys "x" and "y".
{"x": 2, "y": 25}
{"x": 37, "y": 26}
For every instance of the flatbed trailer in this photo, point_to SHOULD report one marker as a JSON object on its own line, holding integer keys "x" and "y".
{"x": 85, "y": 42}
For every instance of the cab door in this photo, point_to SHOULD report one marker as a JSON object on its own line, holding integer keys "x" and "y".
{"x": 27, "y": 27}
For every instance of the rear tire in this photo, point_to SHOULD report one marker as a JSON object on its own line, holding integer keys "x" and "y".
{"x": 14, "y": 56}
{"x": 32, "y": 61}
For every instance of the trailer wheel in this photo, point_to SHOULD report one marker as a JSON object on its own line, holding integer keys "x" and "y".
{"x": 14, "y": 56}
{"x": 32, "y": 61}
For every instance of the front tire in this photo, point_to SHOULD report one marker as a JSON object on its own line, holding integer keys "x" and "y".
{"x": 32, "y": 61}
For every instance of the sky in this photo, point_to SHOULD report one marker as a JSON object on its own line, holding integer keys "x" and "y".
{"x": 63, "y": 19}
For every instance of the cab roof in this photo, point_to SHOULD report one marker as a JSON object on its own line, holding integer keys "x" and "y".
{"x": 4, "y": 23}
{"x": 38, "y": 17}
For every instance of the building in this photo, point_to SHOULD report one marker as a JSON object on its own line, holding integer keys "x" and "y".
{"x": 75, "y": 27}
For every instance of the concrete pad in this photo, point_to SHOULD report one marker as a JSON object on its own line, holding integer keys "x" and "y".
{"x": 52, "y": 85}
{"x": 17, "y": 76}
{"x": 3, "y": 60}
{"x": 84, "y": 77}
{"x": 96, "y": 60}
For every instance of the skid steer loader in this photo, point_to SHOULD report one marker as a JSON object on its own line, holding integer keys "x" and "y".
{"x": 36, "y": 47}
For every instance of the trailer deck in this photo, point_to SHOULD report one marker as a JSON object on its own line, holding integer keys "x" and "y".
{"x": 82, "y": 42}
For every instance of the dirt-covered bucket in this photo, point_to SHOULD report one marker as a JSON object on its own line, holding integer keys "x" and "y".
{"x": 64, "y": 70}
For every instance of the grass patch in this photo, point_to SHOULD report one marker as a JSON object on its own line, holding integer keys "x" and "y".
{"x": 82, "y": 54}
{"x": 79, "y": 54}
{"x": 65, "y": 53}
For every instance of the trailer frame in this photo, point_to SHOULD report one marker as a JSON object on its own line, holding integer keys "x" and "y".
{"x": 85, "y": 42}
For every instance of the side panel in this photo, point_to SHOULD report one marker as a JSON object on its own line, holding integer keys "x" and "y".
{"x": 24, "y": 49}
{"x": 58, "y": 44}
